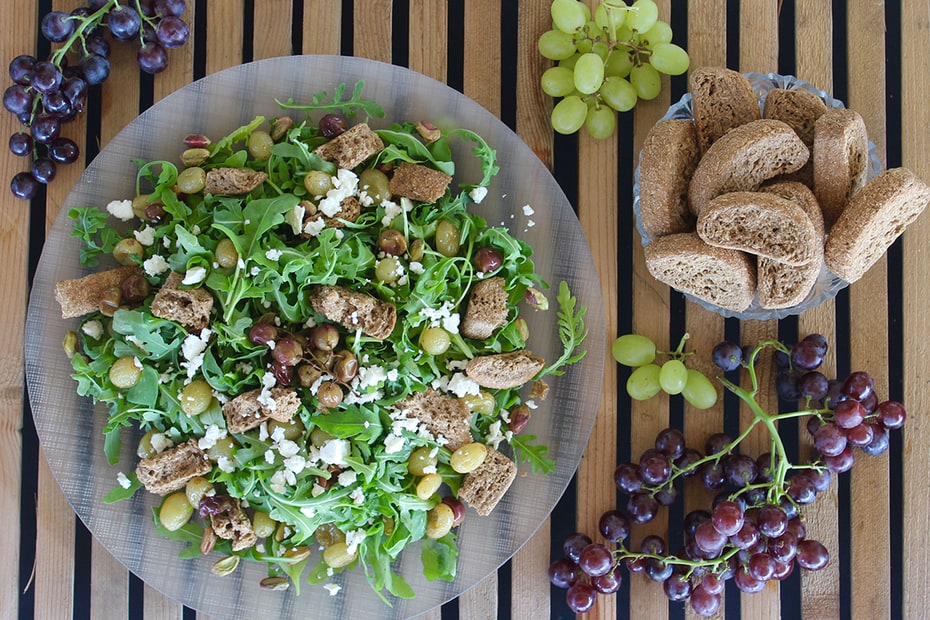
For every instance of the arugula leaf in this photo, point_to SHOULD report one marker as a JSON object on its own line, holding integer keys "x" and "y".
{"x": 401, "y": 145}
{"x": 360, "y": 422}
{"x": 482, "y": 151}
{"x": 535, "y": 454}
{"x": 572, "y": 332}
{"x": 118, "y": 493}
{"x": 237, "y": 135}
{"x": 350, "y": 107}
{"x": 440, "y": 558}
{"x": 90, "y": 226}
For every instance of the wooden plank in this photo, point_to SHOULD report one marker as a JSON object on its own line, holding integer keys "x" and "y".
{"x": 707, "y": 46}
{"x": 372, "y": 29}
{"x": 225, "y": 32}
{"x": 481, "y": 72}
{"x": 530, "y": 598}
{"x": 819, "y": 590}
{"x": 915, "y": 154}
{"x": 870, "y": 556}
{"x": 428, "y": 38}
{"x": 759, "y": 52}
{"x": 272, "y": 35}
{"x": 479, "y": 601}
{"x": 322, "y": 27}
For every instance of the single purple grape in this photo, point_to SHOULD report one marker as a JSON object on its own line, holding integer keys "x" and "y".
{"x": 124, "y": 22}
{"x": 64, "y": 150}
{"x": 57, "y": 26}
{"x": 172, "y": 32}
{"x": 22, "y": 69}
{"x": 43, "y": 170}
{"x": 21, "y": 144}
{"x": 152, "y": 58}
{"x": 24, "y": 186}
{"x": 47, "y": 77}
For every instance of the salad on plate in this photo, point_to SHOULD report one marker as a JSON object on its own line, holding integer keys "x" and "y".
{"x": 321, "y": 348}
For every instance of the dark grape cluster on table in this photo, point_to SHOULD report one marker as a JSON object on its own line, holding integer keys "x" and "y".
{"x": 47, "y": 94}
{"x": 754, "y": 530}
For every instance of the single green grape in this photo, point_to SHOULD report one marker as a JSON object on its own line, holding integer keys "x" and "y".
{"x": 557, "y": 81}
{"x": 569, "y": 115}
{"x": 601, "y": 50}
{"x": 569, "y": 63}
{"x": 660, "y": 32}
{"x": 699, "y": 391}
{"x": 643, "y": 15}
{"x": 618, "y": 64}
{"x": 556, "y": 45}
{"x": 670, "y": 59}
{"x": 619, "y": 94}
{"x": 609, "y": 18}
{"x": 643, "y": 383}
{"x": 647, "y": 82}
{"x": 673, "y": 376}
{"x": 634, "y": 350}
{"x": 601, "y": 121}
{"x": 569, "y": 15}
{"x": 589, "y": 73}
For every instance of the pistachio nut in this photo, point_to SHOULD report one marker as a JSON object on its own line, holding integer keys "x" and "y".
{"x": 274, "y": 584}
{"x": 428, "y": 131}
{"x": 280, "y": 127}
{"x": 196, "y": 140}
{"x": 208, "y": 540}
{"x": 226, "y": 566}
{"x": 194, "y": 157}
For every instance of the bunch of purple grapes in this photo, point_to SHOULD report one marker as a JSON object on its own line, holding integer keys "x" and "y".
{"x": 46, "y": 94}
{"x": 754, "y": 532}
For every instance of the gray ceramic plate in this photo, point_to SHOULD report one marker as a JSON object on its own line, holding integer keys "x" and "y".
{"x": 70, "y": 428}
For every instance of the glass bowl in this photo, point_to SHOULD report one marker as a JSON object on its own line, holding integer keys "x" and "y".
{"x": 828, "y": 284}
{"x": 70, "y": 429}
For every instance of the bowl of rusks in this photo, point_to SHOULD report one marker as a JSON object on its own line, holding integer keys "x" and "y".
{"x": 760, "y": 196}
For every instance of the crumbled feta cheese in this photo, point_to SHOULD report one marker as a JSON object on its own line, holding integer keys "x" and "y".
{"x": 530, "y": 223}
{"x": 165, "y": 241}
{"x": 456, "y": 364}
{"x": 295, "y": 218}
{"x": 334, "y": 451}
{"x": 494, "y": 436}
{"x": 444, "y": 316}
{"x": 478, "y": 194}
{"x": 295, "y": 464}
{"x": 314, "y": 227}
{"x": 531, "y": 404}
{"x": 391, "y": 210}
{"x": 308, "y": 511}
{"x": 255, "y": 270}
{"x": 317, "y": 490}
{"x": 121, "y": 209}
{"x": 123, "y": 480}
{"x": 265, "y": 398}
{"x": 416, "y": 267}
{"x": 358, "y": 496}
{"x": 213, "y": 434}
{"x": 393, "y": 374}
{"x": 286, "y": 447}
{"x": 193, "y": 350}
{"x": 240, "y": 264}
{"x": 137, "y": 363}
{"x": 269, "y": 456}
{"x": 347, "y": 478}
{"x": 406, "y": 204}
{"x": 156, "y": 265}
{"x": 146, "y": 236}
{"x": 94, "y": 329}
{"x": 353, "y": 539}
{"x": 226, "y": 464}
{"x": 160, "y": 442}
{"x": 333, "y": 588}
{"x": 369, "y": 376}
{"x": 393, "y": 443}
{"x": 461, "y": 385}
{"x": 528, "y": 210}
{"x": 244, "y": 367}
{"x": 355, "y": 398}
{"x": 263, "y": 431}
{"x": 273, "y": 254}
{"x": 132, "y": 338}
{"x": 277, "y": 483}
{"x": 429, "y": 469}
{"x": 194, "y": 275}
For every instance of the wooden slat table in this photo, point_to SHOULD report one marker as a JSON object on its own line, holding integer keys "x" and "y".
{"x": 872, "y": 54}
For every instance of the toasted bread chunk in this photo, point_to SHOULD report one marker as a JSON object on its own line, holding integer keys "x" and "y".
{"x": 419, "y": 183}
{"x": 443, "y": 415}
{"x": 785, "y": 286}
{"x": 484, "y": 487}
{"x": 669, "y": 157}
{"x": 230, "y": 521}
{"x": 189, "y": 307}
{"x": 170, "y": 470}
{"x": 841, "y": 161}
{"x": 355, "y": 310}
{"x": 744, "y": 158}
{"x": 82, "y": 295}
{"x": 799, "y": 108}
{"x": 874, "y": 219}
{"x": 233, "y": 181}
{"x": 504, "y": 370}
{"x": 349, "y": 210}
{"x": 801, "y": 195}
{"x": 246, "y": 411}
{"x": 352, "y": 147}
{"x": 724, "y": 278}
{"x": 721, "y": 99}
{"x": 487, "y": 309}
{"x": 759, "y": 223}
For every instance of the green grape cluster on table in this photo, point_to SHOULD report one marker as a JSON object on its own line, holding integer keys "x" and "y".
{"x": 672, "y": 376}
{"x": 605, "y": 62}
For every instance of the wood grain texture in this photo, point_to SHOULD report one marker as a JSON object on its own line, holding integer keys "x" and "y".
{"x": 272, "y": 35}
{"x": 372, "y": 29}
{"x": 224, "y": 41}
{"x": 322, "y": 27}
{"x": 707, "y": 46}
{"x": 428, "y": 36}
{"x": 481, "y": 72}
{"x": 820, "y": 591}
{"x": 533, "y": 106}
{"x": 915, "y": 154}
{"x": 870, "y": 556}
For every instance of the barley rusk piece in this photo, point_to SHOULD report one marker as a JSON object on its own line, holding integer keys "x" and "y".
{"x": 233, "y": 181}
{"x": 170, "y": 470}
{"x": 721, "y": 99}
{"x": 669, "y": 157}
{"x": 504, "y": 370}
{"x": 841, "y": 160}
{"x": 189, "y": 307}
{"x": 874, "y": 219}
{"x": 744, "y": 158}
{"x": 354, "y": 310}
{"x": 352, "y": 147}
{"x": 484, "y": 487}
{"x": 419, "y": 183}
{"x": 442, "y": 415}
{"x": 724, "y": 278}
{"x": 487, "y": 309}
{"x": 82, "y": 295}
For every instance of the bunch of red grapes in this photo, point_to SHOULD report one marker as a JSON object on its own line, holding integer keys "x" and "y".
{"x": 754, "y": 531}
{"x": 46, "y": 94}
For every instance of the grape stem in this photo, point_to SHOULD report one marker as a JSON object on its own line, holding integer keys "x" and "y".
{"x": 85, "y": 25}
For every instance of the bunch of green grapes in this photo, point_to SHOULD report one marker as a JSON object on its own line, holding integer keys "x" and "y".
{"x": 605, "y": 62}
{"x": 649, "y": 378}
